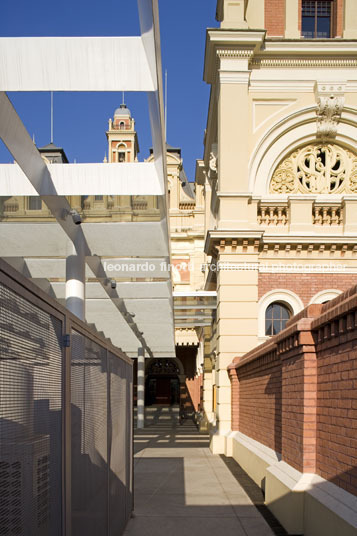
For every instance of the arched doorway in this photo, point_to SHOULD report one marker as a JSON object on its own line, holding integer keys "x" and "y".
{"x": 162, "y": 382}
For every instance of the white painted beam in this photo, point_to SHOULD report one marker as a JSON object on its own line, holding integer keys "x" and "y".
{"x": 137, "y": 178}
{"x": 74, "y": 64}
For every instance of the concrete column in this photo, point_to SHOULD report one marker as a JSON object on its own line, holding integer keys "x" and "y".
{"x": 141, "y": 389}
{"x": 75, "y": 281}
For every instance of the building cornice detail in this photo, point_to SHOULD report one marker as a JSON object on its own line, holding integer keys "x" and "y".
{"x": 224, "y": 44}
{"x": 235, "y": 53}
{"x": 217, "y": 239}
{"x": 304, "y": 62}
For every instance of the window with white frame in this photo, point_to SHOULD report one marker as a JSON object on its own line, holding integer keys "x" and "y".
{"x": 276, "y": 316}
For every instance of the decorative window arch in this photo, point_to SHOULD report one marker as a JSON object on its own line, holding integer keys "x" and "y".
{"x": 317, "y": 168}
{"x": 290, "y": 134}
{"x": 121, "y": 152}
{"x": 284, "y": 297}
{"x": 325, "y": 295}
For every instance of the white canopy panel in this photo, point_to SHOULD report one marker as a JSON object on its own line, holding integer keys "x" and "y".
{"x": 74, "y": 64}
{"x": 131, "y": 178}
{"x": 158, "y": 336}
{"x": 130, "y": 239}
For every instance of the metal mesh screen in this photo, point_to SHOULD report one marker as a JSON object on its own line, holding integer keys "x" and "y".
{"x": 89, "y": 437}
{"x": 34, "y": 407}
{"x": 30, "y": 418}
{"x": 101, "y": 385}
{"x": 120, "y": 441}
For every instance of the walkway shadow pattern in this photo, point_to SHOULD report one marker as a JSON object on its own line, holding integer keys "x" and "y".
{"x": 180, "y": 487}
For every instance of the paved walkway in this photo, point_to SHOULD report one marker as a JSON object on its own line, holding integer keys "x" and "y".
{"x": 181, "y": 488}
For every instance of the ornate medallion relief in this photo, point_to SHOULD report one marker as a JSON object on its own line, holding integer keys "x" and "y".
{"x": 316, "y": 169}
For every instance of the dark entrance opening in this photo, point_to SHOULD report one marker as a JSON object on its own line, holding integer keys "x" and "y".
{"x": 162, "y": 383}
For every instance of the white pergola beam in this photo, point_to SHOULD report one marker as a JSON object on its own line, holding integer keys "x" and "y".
{"x": 137, "y": 178}
{"x": 74, "y": 64}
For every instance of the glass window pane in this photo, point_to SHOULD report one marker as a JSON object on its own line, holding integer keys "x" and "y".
{"x": 276, "y": 316}
{"x": 268, "y": 326}
{"x": 35, "y": 203}
{"x": 269, "y": 312}
{"x": 323, "y": 27}
{"x": 308, "y": 27}
{"x": 285, "y": 313}
{"x": 276, "y": 327}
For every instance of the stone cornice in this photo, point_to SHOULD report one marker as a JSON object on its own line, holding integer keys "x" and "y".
{"x": 300, "y": 53}
{"x": 229, "y": 44}
{"x": 256, "y": 241}
{"x": 215, "y": 237}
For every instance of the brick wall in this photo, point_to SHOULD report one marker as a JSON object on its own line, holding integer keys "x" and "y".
{"x": 274, "y": 17}
{"x": 259, "y": 380}
{"x": 339, "y": 19}
{"x": 315, "y": 420}
{"x": 336, "y": 433}
{"x": 194, "y": 390}
{"x": 304, "y": 285}
{"x": 296, "y": 350}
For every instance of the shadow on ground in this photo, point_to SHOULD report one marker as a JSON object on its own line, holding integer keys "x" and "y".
{"x": 181, "y": 487}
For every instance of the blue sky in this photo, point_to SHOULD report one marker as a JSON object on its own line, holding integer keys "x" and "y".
{"x": 80, "y": 119}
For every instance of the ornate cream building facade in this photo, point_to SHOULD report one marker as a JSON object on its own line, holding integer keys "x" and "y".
{"x": 279, "y": 174}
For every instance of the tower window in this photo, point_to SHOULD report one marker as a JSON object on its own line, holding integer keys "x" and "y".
{"x": 35, "y": 203}
{"x": 316, "y": 18}
{"x": 121, "y": 125}
{"x": 276, "y": 317}
{"x": 121, "y": 156}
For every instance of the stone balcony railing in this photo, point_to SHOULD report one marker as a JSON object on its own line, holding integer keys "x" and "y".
{"x": 272, "y": 214}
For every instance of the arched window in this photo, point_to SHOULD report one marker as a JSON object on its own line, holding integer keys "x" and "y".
{"x": 276, "y": 316}
{"x": 121, "y": 150}
{"x": 121, "y": 125}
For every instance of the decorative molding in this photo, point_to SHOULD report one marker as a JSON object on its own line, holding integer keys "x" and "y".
{"x": 330, "y": 102}
{"x": 316, "y": 169}
{"x": 235, "y": 53}
{"x": 234, "y": 77}
{"x": 304, "y": 62}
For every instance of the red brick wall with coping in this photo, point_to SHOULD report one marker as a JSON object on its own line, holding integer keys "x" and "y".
{"x": 317, "y": 416}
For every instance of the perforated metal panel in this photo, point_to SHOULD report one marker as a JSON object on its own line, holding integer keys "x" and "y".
{"x": 32, "y": 381}
{"x": 118, "y": 445}
{"x": 30, "y": 418}
{"x": 89, "y": 437}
